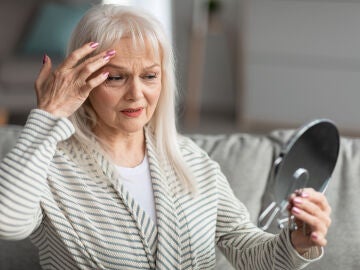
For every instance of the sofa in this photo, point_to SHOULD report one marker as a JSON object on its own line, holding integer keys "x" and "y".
{"x": 246, "y": 160}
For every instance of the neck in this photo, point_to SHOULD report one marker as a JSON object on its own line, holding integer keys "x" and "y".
{"x": 125, "y": 149}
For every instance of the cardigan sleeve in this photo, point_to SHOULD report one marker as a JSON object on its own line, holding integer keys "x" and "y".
{"x": 23, "y": 173}
{"x": 248, "y": 247}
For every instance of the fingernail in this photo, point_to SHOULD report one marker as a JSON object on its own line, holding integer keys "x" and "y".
{"x": 314, "y": 236}
{"x": 105, "y": 74}
{"x": 94, "y": 44}
{"x": 110, "y": 53}
{"x": 44, "y": 58}
{"x": 304, "y": 195}
{"x": 297, "y": 200}
{"x": 106, "y": 57}
{"x": 295, "y": 210}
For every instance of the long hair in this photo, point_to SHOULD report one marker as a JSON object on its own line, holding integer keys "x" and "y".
{"x": 107, "y": 24}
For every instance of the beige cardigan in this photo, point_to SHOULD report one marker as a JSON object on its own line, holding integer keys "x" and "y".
{"x": 69, "y": 201}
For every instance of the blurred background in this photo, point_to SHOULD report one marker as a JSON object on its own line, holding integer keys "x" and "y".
{"x": 242, "y": 65}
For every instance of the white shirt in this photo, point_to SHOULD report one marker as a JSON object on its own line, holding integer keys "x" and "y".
{"x": 137, "y": 181}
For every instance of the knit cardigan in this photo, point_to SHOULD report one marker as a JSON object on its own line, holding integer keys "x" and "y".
{"x": 68, "y": 199}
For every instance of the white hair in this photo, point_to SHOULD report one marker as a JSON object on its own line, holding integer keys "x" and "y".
{"x": 107, "y": 24}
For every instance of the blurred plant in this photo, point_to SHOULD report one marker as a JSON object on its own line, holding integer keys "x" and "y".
{"x": 213, "y": 6}
{"x": 214, "y": 20}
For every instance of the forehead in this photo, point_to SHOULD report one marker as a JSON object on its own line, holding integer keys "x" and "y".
{"x": 127, "y": 49}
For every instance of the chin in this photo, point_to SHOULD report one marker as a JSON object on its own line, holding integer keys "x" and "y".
{"x": 134, "y": 128}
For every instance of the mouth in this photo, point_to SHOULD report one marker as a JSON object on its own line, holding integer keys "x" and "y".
{"x": 132, "y": 112}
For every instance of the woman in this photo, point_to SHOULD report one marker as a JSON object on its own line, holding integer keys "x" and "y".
{"x": 100, "y": 179}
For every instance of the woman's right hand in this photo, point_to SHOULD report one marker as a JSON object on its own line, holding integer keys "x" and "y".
{"x": 62, "y": 91}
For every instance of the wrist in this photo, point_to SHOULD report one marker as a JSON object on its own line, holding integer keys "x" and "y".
{"x": 298, "y": 248}
{"x": 51, "y": 111}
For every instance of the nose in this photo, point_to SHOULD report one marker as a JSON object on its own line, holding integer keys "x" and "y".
{"x": 134, "y": 90}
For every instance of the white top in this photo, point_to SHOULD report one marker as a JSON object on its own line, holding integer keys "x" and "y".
{"x": 137, "y": 181}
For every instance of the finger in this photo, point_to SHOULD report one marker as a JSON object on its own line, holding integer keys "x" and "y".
{"x": 93, "y": 83}
{"x": 318, "y": 239}
{"x": 317, "y": 198}
{"x": 315, "y": 224}
{"x": 44, "y": 72}
{"x": 78, "y": 54}
{"x": 89, "y": 67}
{"x": 312, "y": 209}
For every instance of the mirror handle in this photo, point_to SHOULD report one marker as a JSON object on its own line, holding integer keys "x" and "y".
{"x": 268, "y": 215}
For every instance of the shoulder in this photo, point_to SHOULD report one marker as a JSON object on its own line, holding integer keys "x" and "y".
{"x": 193, "y": 153}
{"x": 69, "y": 149}
{"x": 188, "y": 146}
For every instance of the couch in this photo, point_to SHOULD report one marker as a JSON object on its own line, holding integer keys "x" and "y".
{"x": 246, "y": 160}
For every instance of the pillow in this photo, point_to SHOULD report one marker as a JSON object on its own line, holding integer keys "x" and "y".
{"x": 52, "y": 29}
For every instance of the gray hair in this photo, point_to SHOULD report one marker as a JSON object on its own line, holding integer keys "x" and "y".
{"x": 107, "y": 24}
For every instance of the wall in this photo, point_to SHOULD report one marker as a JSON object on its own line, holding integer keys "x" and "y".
{"x": 302, "y": 62}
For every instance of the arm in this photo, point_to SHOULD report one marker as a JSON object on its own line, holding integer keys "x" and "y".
{"x": 23, "y": 173}
{"x": 248, "y": 247}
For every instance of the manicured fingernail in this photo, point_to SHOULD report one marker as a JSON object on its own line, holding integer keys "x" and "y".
{"x": 110, "y": 53}
{"x": 304, "y": 195}
{"x": 314, "y": 236}
{"x": 105, "y": 74}
{"x": 295, "y": 210}
{"x": 106, "y": 57}
{"x": 94, "y": 44}
{"x": 44, "y": 58}
{"x": 297, "y": 200}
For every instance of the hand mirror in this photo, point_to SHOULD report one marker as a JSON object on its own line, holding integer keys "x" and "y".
{"x": 306, "y": 160}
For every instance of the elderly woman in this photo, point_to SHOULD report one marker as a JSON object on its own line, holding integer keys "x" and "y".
{"x": 100, "y": 179}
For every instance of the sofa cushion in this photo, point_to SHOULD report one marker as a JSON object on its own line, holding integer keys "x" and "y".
{"x": 8, "y": 137}
{"x": 15, "y": 255}
{"x": 245, "y": 160}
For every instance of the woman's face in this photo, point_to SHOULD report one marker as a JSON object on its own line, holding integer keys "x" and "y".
{"x": 128, "y": 98}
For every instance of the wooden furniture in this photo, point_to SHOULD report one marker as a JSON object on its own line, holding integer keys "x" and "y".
{"x": 4, "y": 116}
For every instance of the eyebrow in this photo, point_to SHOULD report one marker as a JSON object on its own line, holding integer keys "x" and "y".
{"x": 124, "y": 68}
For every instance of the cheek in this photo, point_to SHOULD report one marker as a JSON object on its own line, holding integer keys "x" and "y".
{"x": 155, "y": 95}
{"x": 102, "y": 98}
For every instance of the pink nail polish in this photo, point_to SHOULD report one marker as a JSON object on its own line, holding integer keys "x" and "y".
{"x": 105, "y": 74}
{"x": 94, "y": 44}
{"x": 106, "y": 57}
{"x": 297, "y": 200}
{"x": 295, "y": 210}
{"x": 314, "y": 236}
{"x": 304, "y": 195}
{"x": 44, "y": 58}
{"x": 110, "y": 53}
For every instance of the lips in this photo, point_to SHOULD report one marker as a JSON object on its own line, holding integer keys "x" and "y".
{"x": 132, "y": 112}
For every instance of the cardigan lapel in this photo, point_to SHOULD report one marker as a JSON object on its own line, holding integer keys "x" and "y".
{"x": 169, "y": 243}
{"x": 147, "y": 228}
{"x": 162, "y": 243}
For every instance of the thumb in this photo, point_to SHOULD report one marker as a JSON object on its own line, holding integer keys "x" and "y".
{"x": 44, "y": 72}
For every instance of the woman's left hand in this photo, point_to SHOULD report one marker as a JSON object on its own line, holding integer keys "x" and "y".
{"x": 312, "y": 216}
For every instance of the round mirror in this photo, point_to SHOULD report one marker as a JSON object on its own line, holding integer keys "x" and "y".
{"x": 307, "y": 160}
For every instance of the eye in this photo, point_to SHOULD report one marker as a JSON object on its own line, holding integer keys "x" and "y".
{"x": 115, "y": 78}
{"x": 150, "y": 76}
